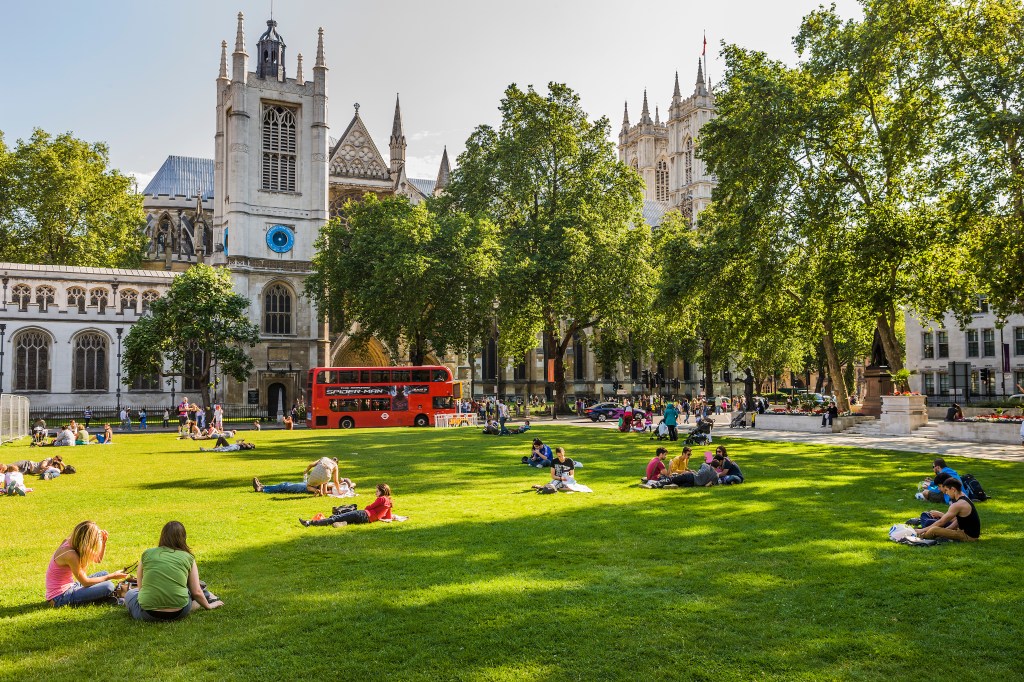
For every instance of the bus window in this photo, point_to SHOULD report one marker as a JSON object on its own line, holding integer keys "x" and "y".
{"x": 400, "y": 402}
{"x": 380, "y": 404}
{"x": 443, "y": 402}
{"x": 321, "y": 377}
{"x": 349, "y": 405}
{"x": 401, "y": 376}
{"x": 380, "y": 376}
{"x": 348, "y": 376}
{"x": 440, "y": 375}
{"x": 421, "y": 375}
{"x": 364, "y": 376}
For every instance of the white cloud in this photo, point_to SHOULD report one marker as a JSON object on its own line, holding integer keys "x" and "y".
{"x": 422, "y": 166}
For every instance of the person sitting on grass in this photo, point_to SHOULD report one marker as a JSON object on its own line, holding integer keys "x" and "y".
{"x": 13, "y": 480}
{"x": 319, "y": 475}
{"x": 169, "y": 586}
{"x": 933, "y": 492}
{"x": 680, "y": 463}
{"x": 83, "y": 437}
{"x": 379, "y": 509}
{"x": 540, "y": 456}
{"x": 67, "y": 583}
{"x": 523, "y": 428}
{"x": 704, "y": 477}
{"x": 656, "y": 467}
{"x": 960, "y": 522}
{"x": 108, "y": 434}
{"x": 728, "y": 471}
{"x": 563, "y": 475}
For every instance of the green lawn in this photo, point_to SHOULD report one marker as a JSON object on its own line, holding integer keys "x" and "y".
{"x": 789, "y": 576}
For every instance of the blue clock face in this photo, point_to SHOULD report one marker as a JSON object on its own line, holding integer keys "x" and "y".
{"x": 280, "y": 239}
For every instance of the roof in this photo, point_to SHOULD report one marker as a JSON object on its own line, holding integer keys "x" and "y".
{"x": 49, "y": 270}
{"x": 653, "y": 212}
{"x": 425, "y": 186}
{"x": 182, "y": 176}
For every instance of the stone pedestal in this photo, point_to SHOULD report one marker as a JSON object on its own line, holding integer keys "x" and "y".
{"x": 877, "y": 383}
{"x": 901, "y": 414}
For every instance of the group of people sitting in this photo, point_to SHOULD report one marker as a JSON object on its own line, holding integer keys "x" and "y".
{"x": 69, "y": 435}
{"x": 563, "y": 469}
{"x": 166, "y": 587}
{"x": 960, "y": 521}
{"x": 193, "y": 432}
{"x": 13, "y": 475}
{"x": 714, "y": 470}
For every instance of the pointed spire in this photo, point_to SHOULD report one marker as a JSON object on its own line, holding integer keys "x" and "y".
{"x": 223, "y": 59}
{"x": 444, "y": 172}
{"x": 320, "y": 61}
{"x": 645, "y": 115}
{"x": 657, "y": 116}
{"x": 298, "y": 72}
{"x": 625, "y": 116}
{"x": 702, "y": 86}
{"x": 676, "y": 93}
{"x": 240, "y": 35}
{"x": 396, "y": 128}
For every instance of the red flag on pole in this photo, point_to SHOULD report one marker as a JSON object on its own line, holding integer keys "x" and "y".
{"x": 704, "y": 52}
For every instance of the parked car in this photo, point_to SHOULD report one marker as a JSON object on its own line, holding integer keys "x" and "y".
{"x": 604, "y": 411}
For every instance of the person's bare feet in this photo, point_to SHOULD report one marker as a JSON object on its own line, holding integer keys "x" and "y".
{"x": 256, "y": 485}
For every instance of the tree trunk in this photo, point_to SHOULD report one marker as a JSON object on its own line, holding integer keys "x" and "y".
{"x": 416, "y": 350}
{"x": 556, "y": 352}
{"x": 709, "y": 372}
{"x": 835, "y": 369}
{"x": 890, "y": 344}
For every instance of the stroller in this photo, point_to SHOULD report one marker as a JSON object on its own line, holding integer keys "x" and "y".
{"x": 739, "y": 420}
{"x": 701, "y": 434}
{"x": 661, "y": 433}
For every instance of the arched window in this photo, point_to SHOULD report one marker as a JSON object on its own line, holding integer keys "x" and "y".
{"x": 635, "y": 165}
{"x": 90, "y": 362}
{"x": 45, "y": 297}
{"x": 279, "y": 148}
{"x": 31, "y": 361}
{"x": 661, "y": 181}
{"x": 98, "y": 299}
{"x": 129, "y": 300}
{"x": 277, "y": 310}
{"x": 21, "y": 295}
{"x": 76, "y": 298}
{"x": 193, "y": 368}
{"x": 688, "y": 160}
{"x": 579, "y": 358}
{"x": 148, "y": 297}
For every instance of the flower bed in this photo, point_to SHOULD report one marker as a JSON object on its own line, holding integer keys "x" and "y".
{"x": 994, "y": 419}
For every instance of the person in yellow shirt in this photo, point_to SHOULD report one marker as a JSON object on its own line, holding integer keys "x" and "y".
{"x": 678, "y": 465}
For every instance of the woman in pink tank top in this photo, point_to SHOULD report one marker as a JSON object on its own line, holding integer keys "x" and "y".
{"x": 67, "y": 583}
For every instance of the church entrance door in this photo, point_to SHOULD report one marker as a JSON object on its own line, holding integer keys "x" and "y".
{"x": 277, "y": 401}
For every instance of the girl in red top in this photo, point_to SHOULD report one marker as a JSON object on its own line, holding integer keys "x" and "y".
{"x": 375, "y": 511}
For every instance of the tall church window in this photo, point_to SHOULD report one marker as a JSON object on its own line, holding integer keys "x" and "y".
{"x": 129, "y": 300}
{"x": 277, "y": 310}
{"x": 21, "y": 295}
{"x": 147, "y": 298}
{"x": 688, "y": 160}
{"x": 98, "y": 299}
{"x": 90, "y": 362}
{"x": 76, "y": 298}
{"x": 31, "y": 361}
{"x": 661, "y": 181}
{"x": 45, "y": 296}
{"x": 279, "y": 148}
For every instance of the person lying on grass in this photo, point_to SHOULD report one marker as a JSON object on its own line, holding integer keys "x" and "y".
{"x": 319, "y": 475}
{"x": 375, "y": 511}
{"x": 223, "y": 446}
{"x": 67, "y": 583}
{"x": 728, "y": 471}
{"x": 960, "y": 522}
{"x": 169, "y": 586}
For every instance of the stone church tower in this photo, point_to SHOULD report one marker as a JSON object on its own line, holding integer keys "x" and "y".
{"x": 270, "y": 200}
{"x": 663, "y": 153}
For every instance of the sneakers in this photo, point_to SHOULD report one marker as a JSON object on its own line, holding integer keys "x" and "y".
{"x": 304, "y": 523}
{"x": 920, "y": 496}
{"x": 256, "y": 485}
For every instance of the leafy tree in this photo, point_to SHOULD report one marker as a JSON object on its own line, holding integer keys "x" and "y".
{"x": 60, "y": 204}
{"x": 406, "y": 274}
{"x": 199, "y": 321}
{"x": 574, "y": 252}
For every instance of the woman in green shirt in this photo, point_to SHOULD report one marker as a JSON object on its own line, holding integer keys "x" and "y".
{"x": 168, "y": 580}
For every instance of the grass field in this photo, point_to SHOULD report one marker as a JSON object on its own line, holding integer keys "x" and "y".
{"x": 788, "y": 576}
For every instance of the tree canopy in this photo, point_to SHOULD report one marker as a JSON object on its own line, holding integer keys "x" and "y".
{"x": 200, "y": 321}
{"x": 61, "y": 204}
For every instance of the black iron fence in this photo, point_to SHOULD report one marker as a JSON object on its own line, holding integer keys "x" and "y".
{"x": 62, "y": 414}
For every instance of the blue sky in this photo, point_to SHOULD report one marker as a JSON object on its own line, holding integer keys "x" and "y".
{"x": 140, "y": 75}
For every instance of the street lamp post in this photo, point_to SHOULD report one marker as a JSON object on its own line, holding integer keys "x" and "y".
{"x": 5, "y": 280}
{"x": 120, "y": 331}
{"x": 3, "y": 330}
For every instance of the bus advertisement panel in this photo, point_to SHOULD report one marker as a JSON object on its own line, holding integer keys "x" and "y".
{"x": 350, "y": 397}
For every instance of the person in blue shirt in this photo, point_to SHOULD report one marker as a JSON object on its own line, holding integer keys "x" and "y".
{"x": 541, "y": 456}
{"x": 670, "y": 419}
{"x": 934, "y": 492}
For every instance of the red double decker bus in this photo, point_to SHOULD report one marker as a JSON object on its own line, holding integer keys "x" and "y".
{"x": 350, "y": 397}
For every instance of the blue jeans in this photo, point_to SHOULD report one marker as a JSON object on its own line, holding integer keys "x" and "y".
{"x": 76, "y": 595}
{"x": 142, "y": 423}
{"x": 286, "y": 488}
{"x": 731, "y": 480}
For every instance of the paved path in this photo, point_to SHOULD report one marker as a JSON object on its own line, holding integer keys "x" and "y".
{"x": 943, "y": 448}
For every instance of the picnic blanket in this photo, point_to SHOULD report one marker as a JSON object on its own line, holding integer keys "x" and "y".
{"x": 395, "y": 517}
{"x": 344, "y": 491}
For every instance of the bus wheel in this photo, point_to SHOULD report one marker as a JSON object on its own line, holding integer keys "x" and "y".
{"x": 347, "y": 423}
{"x": 421, "y": 420}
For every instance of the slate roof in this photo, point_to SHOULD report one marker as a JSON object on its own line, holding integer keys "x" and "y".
{"x": 50, "y": 270}
{"x": 183, "y": 176}
{"x": 653, "y": 212}
{"x": 425, "y": 186}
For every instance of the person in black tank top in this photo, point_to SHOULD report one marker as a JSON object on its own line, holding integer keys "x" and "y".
{"x": 961, "y": 521}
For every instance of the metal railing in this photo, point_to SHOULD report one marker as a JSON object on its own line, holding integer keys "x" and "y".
{"x": 14, "y": 417}
{"x": 62, "y": 414}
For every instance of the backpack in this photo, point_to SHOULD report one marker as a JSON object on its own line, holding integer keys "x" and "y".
{"x": 973, "y": 488}
{"x": 69, "y": 469}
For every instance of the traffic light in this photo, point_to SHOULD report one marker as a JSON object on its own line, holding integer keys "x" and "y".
{"x": 675, "y": 384}
{"x": 984, "y": 375}
{"x": 702, "y": 383}
{"x": 615, "y": 386}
